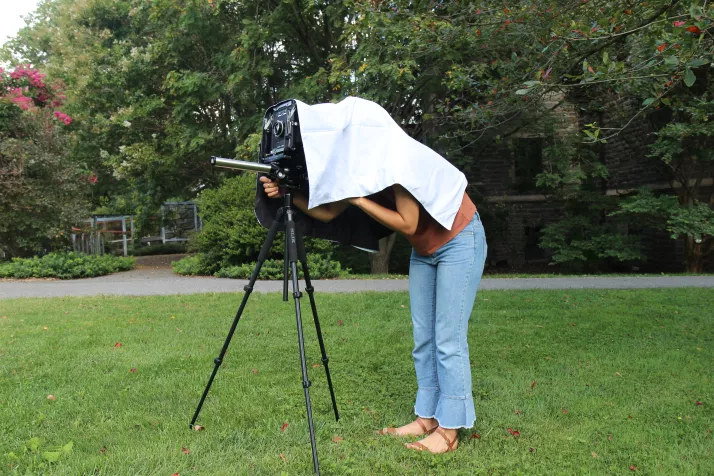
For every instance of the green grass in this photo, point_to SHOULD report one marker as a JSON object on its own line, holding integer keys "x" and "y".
{"x": 594, "y": 381}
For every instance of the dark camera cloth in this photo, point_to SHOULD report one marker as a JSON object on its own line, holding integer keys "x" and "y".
{"x": 353, "y": 227}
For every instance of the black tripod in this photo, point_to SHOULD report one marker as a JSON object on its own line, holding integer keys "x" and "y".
{"x": 294, "y": 252}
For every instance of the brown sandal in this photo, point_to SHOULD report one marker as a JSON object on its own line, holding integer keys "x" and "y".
{"x": 452, "y": 444}
{"x": 393, "y": 431}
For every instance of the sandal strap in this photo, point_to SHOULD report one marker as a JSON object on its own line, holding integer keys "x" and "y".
{"x": 422, "y": 425}
{"x": 418, "y": 446}
{"x": 450, "y": 443}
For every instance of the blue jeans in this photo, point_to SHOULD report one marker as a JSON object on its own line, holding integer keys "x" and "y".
{"x": 442, "y": 291}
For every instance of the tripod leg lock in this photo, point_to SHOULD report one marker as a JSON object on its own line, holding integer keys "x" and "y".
{"x": 310, "y": 289}
{"x": 306, "y": 384}
{"x": 297, "y": 294}
{"x": 247, "y": 288}
{"x": 217, "y": 361}
{"x": 325, "y": 360}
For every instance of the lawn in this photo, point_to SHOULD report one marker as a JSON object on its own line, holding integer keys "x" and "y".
{"x": 588, "y": 382}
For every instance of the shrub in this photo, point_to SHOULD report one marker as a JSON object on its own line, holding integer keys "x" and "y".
{"x": 272, "y": 269}
{"x": 65, "y": 266}
{"x": 195, "y": 265}
{"x": 231, "y": 234}
{"x": 163, "y": 249}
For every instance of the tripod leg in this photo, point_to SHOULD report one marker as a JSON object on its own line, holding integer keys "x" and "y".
{"x": 286, "y": 269}
{"x": 291, "y": 245}
{"x": 248, "y": 289}
{"x": 310, "y": 292}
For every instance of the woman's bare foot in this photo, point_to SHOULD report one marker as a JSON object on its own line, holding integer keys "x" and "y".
{"x": 418, "y": 427}
{"x": 441, "y": 441}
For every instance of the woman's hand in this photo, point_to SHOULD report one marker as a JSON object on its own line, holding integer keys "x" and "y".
{"x": 272, "y": 189}
{"x": 356, "y": 201}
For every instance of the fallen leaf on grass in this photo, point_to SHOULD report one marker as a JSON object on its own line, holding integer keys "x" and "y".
{"x": 198, "y": 428}
{"x": 339, "y": 323}
{"x": 475, "y": 435}
{"x": 633, "y": 468}
{"x": 337, "y": 439}
{"x": 51, "y": 398}
{"x": 515, "y": 433}
{"x": 517, "y": 412}
{"x": 285, "y": 425}
{"x": 173, "y": 317}
{"x": 314, "y": 366}
{"x": 618, "y": 374}
{"x": 102, "y": 450}
{"x": 255, "y": 371}
{"x": 132, "y": 370}
{"x": 45, "y": 328}
{"x": 118, "y": 344}
{"x": 699, "y": 403}
{"x": 282, "y": 457}
{"x": 609, "y": 437}
{"x": 533, "y": 385}
{"x": 594, "y": 455}
{"x": 185, "y": 450}
{"x": 565, "y": 411}
{"x": 175, "y": 474}
{"x": 532, "y": 450}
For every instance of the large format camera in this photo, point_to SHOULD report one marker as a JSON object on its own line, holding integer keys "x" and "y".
{"x": 281, "y": 154}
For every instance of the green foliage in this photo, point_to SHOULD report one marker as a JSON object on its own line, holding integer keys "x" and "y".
{"x": 321, "y": 267}
{"x": 194, "y": 265}
{"x": 32, "y": 458}
{"x": 162, "y": 249}
{"x": 272, "y": 269}
{"x": 578, "y": 241}
{"x": 231, "y": 234}
{"x": 65, "y": 266}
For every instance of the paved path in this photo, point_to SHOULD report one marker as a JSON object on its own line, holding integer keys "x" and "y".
{"x": 144, "y": 282}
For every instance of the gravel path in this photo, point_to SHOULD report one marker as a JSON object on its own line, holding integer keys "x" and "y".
{"x": 161, "y": 281}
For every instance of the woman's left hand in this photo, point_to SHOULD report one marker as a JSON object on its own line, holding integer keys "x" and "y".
{"x": 356, "y": 201}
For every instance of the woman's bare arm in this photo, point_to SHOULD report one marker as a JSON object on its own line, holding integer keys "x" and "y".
{"x": 325, "y": 213}
{"x": 404, "y": 220}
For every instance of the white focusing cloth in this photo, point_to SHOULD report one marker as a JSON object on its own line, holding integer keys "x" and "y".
{"x": 354, "y": 149}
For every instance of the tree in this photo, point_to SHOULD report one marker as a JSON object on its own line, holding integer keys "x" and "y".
{"x": 42, "y": 191}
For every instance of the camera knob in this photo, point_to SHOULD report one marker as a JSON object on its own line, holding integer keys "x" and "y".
{"x": 278, "y": 128}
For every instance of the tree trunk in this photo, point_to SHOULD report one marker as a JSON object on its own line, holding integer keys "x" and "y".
{"x": 695, "y": 256}
{"x": 380, "y": 261}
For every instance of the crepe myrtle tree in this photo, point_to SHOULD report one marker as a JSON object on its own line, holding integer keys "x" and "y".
{"x": 42, "y": 192}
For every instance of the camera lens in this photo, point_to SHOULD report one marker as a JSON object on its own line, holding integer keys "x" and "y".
{"x": 278, "y": 128}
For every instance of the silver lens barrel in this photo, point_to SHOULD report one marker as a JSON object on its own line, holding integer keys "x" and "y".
{"x": 240, "y": 164}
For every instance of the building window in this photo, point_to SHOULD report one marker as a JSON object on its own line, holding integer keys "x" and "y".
{"x": 528, "y": 162}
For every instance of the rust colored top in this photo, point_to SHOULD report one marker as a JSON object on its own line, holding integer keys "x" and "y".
{"x": 429, "y": 235}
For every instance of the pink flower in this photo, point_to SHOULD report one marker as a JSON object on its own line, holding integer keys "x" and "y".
{"x": 23, "y": 102}
{"x": 679, "y": 23}
{"x": 63, "y": 117}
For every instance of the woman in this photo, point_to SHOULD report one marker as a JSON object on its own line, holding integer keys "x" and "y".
{"x": 444, "y": 273}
